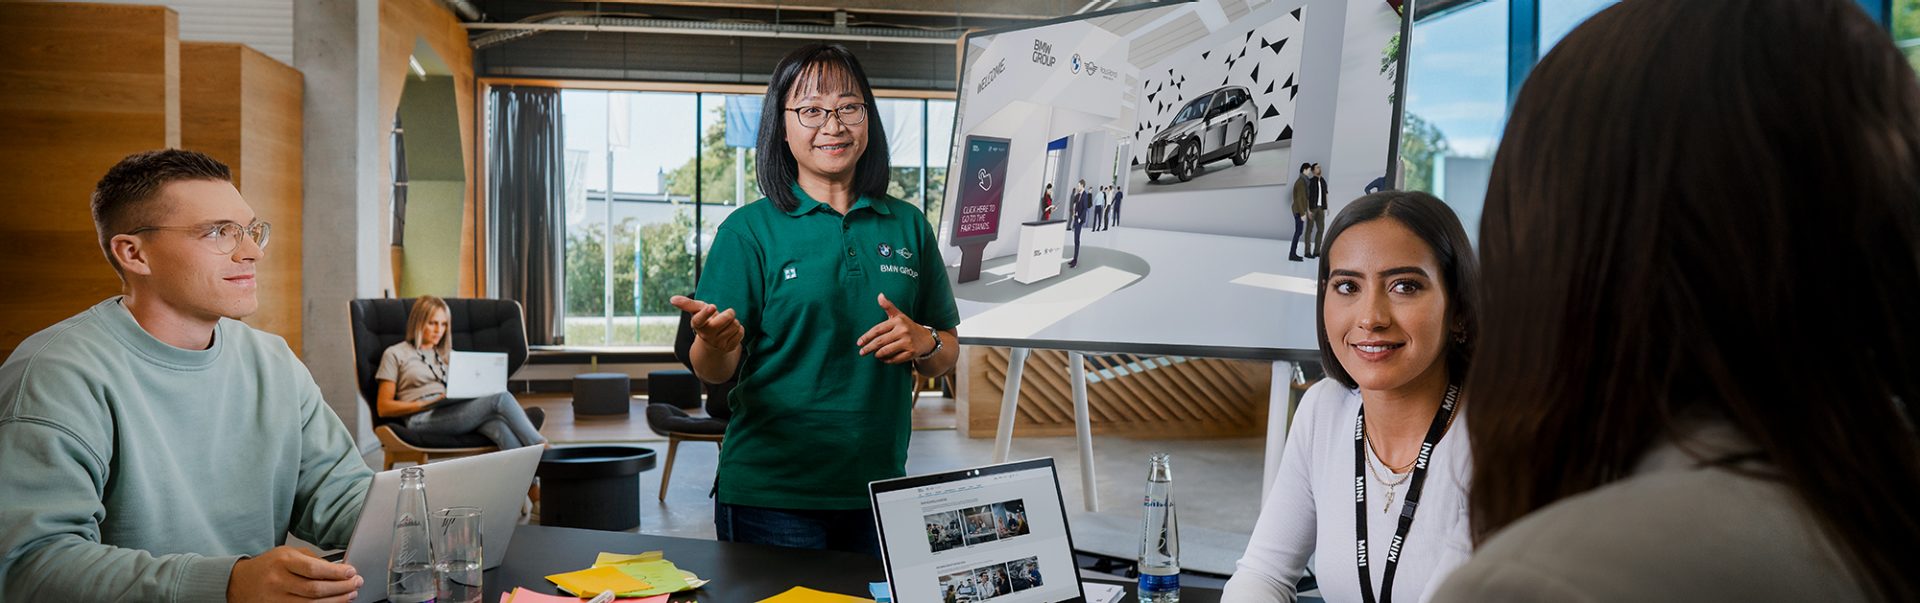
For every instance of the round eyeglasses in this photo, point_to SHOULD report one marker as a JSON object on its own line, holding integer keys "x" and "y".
{"x": 850, "y": 114}
{"x": 223, "y": 237}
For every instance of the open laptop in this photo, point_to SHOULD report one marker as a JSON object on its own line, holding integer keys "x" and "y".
{"x": 994, "y": 533}
{"x": 474, "y": 374}
{"x": 495, "y": 482}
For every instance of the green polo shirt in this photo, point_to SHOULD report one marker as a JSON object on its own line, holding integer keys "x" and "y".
{"x": 813, "y": 420}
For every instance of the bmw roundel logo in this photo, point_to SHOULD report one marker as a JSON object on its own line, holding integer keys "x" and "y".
{"x": 1076, "y": 63}
{"x": 886, "y": 251}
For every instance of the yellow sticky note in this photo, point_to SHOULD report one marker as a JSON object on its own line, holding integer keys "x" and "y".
{"x": 589, "y": 582}
{"x": 802, "y": 594}
{"x": 617, "y": 558}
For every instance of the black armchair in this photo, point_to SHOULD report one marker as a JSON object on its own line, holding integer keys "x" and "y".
{"x": 478, "y": 325}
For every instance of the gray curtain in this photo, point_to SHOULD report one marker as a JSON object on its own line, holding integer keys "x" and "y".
{"x": 526, "y": 183}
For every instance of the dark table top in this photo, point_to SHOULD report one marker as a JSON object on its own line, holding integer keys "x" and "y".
{"x": 739, "y": 572}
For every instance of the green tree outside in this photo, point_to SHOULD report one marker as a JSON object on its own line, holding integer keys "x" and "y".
{"x": 1421, "y": 143}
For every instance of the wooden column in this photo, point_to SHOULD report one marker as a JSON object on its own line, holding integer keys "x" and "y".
{"x": 243, "y": 108}
{"x": 87, "y": 85}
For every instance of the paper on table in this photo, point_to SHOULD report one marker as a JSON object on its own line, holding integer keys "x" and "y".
{"x": 1103, "y": 593}
{"x": 522, "y": 595}
{"x": 651, "y": 568}
{"x": 802, "y": 594}
{"x": 589, "y": 582}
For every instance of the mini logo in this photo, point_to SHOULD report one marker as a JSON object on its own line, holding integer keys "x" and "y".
{"x": 906, "y": 254}
{"x": 886, "y": 251}
{"x": 791, "y": 273}
{"x": 1076, "y": 63}
{"x": 986, "y": 180}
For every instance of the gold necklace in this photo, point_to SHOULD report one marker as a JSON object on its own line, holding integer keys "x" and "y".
{"x": 1401, "y": 470}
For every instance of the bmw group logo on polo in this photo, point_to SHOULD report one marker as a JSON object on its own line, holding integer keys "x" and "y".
{"x": 1076, "y": 63}
{"x": 886, "y": 251}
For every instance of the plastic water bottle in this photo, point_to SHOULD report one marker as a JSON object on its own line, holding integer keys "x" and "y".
{"x": 410, "y": 576}
{"x": 1160, "y": 537}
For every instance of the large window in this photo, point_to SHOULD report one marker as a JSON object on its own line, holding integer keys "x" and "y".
{"x": 651, "y": 175}
{"x": 1458, "y": 93}
{"x": 1906, "y": 29}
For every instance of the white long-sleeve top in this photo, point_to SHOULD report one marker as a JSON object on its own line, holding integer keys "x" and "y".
{"x": 1309, "y": 514}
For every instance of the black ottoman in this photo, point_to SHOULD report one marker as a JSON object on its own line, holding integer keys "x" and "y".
{"x": 677, "y": 387}
{"x": 592, "y": 487}
{"x": 601, "y": 394}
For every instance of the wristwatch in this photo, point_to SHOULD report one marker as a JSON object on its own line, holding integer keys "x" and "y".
{"x": 937, "y": 344}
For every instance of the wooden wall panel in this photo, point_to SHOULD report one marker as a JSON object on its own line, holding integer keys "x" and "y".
{"x": 87, "y": 85}
{"x": 243, "y": 108}
{"x": 403, "y": 23}
{"x": 1128, "y": 395}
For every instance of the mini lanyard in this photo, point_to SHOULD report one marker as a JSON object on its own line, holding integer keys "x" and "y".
{"x": 1410, "y": 504}
{"x": 434, "y": 366}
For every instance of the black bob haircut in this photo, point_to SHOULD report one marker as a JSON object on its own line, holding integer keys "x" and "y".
{"x": 816, "y": 65}
{"x": 1436, "y": 225}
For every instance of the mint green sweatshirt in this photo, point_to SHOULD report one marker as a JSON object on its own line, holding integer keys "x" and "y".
{"x": 133, "y": 470}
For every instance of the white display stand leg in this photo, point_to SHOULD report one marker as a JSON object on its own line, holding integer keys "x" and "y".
{"x": 1003, "y": 436}
{"x": 1083, "y": 429}
{"x": 1277, "y": 420}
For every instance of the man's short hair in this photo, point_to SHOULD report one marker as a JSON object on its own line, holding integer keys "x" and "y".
{"x": 123, "y": 200}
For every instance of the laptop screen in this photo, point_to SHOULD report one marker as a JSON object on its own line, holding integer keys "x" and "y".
{"x": 996, "y": 533}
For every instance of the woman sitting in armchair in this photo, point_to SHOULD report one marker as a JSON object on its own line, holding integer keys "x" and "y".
{"x": 413, "y": 381}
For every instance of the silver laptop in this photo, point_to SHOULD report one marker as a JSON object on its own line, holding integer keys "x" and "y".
{"x": 476, "y": 374}
{"x": 495, "y": 482}
{"x": 988, "y": 533}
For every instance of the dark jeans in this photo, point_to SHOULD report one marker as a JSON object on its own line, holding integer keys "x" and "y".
{"x": 1299, "y": 225}
{"x": 1076, "y": 242}
{"x": 852, "y": 530}
{"x": 498, "y": 417}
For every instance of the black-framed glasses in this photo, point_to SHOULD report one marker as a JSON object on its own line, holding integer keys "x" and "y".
{"x": 223, "y": 236}
{"x": 850, "y": 114}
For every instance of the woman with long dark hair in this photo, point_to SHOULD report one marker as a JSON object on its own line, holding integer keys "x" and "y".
{"x": 1373, "y": 483}
{"x": 1698, "y": 374}
{"x": 824, "y": 299}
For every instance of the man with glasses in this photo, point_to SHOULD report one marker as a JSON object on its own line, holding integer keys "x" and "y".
{"x": 156, "y": 448}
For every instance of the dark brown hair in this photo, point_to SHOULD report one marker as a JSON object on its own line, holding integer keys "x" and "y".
{"x": 816, "y": 65}
{"x": 124, "y": 198}
{"x": 1436, "y": 225}
{"x": 1710, "y": 206}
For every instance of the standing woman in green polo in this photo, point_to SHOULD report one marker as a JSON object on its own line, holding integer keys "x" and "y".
{"x": 824, "y": 299}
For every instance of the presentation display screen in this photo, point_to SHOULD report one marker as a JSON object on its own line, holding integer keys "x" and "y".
{"x": 994, "y": 534}
{"x": 985, "y": 167}
{"x": 1170, "y": 137}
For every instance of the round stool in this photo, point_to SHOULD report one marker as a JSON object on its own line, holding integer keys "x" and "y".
{"x": 601, "y": 394}
{"x": 677, "y": 387}
{"x": 592, "y": 487}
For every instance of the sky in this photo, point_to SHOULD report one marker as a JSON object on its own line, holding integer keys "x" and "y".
{"x": 1457, "y": 79}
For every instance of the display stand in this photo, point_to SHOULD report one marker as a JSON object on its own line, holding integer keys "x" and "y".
{"x": 1279, "y": 398}
{"x": 1278, "y": 417}
{"x": 1083, "y": 429}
